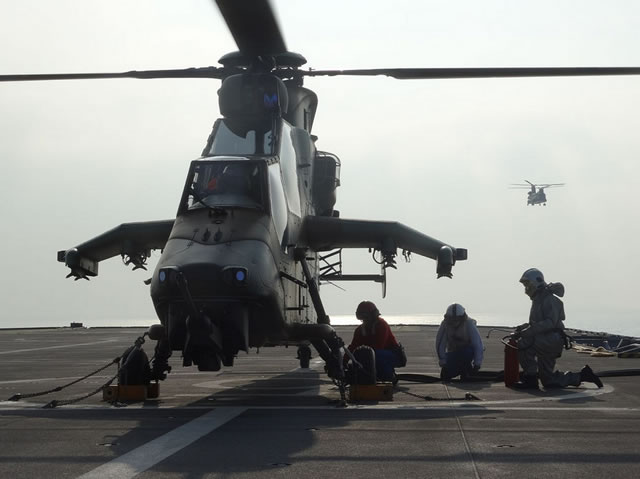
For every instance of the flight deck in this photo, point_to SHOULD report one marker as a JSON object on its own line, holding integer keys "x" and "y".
{"x": 266, "y": 417}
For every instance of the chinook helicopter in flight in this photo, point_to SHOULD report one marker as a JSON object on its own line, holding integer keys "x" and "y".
{"x": 242, "y": 261}
{"x": 536, "y": 194}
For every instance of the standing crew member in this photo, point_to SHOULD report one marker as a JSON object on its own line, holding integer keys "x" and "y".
{"x": 540, "y": 341}
{"x": 376, "y": 333}
{"x": 458, "y": 344}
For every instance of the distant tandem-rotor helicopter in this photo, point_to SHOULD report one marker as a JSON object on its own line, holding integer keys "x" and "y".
{"x": 536, "y": 194}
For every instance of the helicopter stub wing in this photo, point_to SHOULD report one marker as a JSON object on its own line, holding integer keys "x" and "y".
{"x": 133, "y": 241}
{"x": 323, "y": 233}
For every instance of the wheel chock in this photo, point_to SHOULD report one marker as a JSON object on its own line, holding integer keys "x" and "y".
{"x": 381, "y": 391}
{"x": 131, "y": 392}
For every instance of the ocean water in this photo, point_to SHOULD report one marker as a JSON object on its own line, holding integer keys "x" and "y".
{"x": 428, "y": 319}
{"x": 627, "y": 324}
{"x": 622, "y": 324}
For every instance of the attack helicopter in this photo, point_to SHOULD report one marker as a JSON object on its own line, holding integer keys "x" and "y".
{"x": 241, "y": 261}
{"x": 536, "y": 194}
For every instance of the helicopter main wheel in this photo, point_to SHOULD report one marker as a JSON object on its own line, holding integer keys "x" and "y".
{"x": 304, "y": 355}
{"x": 134, "y": 368}
{"x": 366, "y": 374}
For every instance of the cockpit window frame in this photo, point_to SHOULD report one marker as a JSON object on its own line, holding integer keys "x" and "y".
{"x": 261, "y": 163}
{"x": 215, "y": 131}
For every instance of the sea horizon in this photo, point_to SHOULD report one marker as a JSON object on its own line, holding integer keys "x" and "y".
{"x": 626, "y": 326}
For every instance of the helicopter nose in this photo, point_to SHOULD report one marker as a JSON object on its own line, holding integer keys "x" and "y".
{"x": 244, "y": 269}
{"x": 231, "y": 275}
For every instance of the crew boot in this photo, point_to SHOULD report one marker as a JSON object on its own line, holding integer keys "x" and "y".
{"x": 587, "y": 375}
{"x": 526, "y": 382}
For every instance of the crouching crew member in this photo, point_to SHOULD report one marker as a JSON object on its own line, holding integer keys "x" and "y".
{"x": 458, "y": 344}
{"x": 376, "y": 333}
{"x": 541, "y": 340}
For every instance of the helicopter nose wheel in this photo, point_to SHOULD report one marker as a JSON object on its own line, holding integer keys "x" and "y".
{"x": 304, "y": 355}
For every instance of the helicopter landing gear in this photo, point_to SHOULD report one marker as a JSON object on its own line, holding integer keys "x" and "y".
{"x": 362, "y": 368}
{"x": 304, "y": 355}
{"x": 134, "y": 367}
{"x": 159, "y": 364}
{"x": 160, "y": 361}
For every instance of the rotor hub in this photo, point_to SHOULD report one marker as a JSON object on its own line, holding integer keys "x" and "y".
{"x": 280, "y": 60}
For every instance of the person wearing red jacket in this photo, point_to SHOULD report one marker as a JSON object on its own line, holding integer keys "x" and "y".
{"x": 376, "y": 333}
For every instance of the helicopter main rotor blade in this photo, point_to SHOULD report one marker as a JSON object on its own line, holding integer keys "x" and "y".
{"x": 254, "y": 27}
{"x": 506, "y": 72}
{"x": 204, "y": 72}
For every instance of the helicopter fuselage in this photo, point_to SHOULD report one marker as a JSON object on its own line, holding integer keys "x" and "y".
{"x": 228, "y": 270}
{"x": 536, "y": 197}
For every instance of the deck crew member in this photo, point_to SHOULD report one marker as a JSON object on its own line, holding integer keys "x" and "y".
{"x": 376, "y": 333}
{"x": 458, "y": 343}
{"x": 541, "y": 340}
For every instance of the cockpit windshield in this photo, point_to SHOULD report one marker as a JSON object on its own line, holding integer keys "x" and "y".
{"x": 232, "y": 137}
{"x": 237, "y": 183}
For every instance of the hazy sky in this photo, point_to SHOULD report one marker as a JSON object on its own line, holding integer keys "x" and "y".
{"x": 80, "y": 157}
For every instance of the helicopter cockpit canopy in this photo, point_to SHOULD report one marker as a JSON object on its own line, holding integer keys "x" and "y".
{"x": 273, "y": 139}
{"x": 226, "y": 183}
{"x": 236, "y": 137}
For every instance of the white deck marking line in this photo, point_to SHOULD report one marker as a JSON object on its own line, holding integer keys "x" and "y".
{"x": 464, "y": 438}
{"x": 313, "y": 365}
{"x": 40, "y": 380}
{"x": 12, "y": 406}
{"x": 148, "y": 455}
{"x": 59, "y": 347}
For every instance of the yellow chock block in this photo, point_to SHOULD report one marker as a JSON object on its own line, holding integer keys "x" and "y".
{"x": 371, "y": 392}
{"x": 137, "y": 392}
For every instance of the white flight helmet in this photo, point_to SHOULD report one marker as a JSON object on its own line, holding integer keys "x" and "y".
{"x": 532, "y": 279}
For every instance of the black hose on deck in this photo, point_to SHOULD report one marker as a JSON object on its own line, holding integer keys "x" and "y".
{"x": 618, "y": 373}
